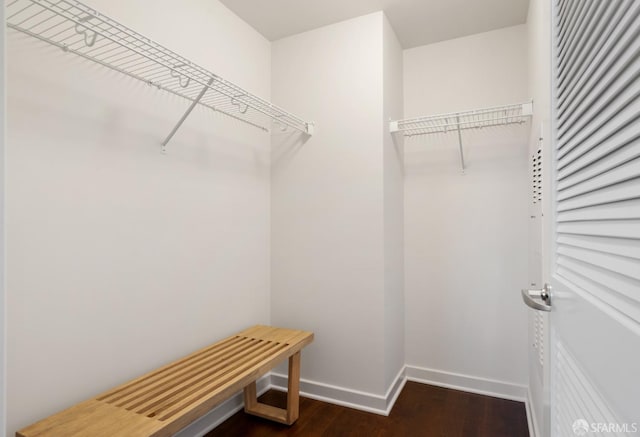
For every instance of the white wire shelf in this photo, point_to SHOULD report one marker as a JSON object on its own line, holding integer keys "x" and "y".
{"x": 458, "y": 121}
{"x": 473, "y": 119}
{"x": 76, "y": 28}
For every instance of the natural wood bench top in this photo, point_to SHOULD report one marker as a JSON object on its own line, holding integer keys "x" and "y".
{"x": 163, "y": 402}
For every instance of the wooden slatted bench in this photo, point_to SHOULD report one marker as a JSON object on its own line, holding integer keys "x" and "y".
{"x": 163, "y": 402}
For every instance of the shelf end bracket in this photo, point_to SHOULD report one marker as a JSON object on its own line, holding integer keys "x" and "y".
{"x": 393, "y": 127}
{"x": 311, "y": 129}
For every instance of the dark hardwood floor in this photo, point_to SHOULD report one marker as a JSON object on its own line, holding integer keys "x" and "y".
{"x": 421, "y": 410}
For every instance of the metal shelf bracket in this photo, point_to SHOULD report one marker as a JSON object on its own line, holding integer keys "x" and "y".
{"x": 185, "y": 115}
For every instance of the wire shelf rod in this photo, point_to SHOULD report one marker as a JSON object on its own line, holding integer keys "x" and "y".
{"x": 447, "y": 127}
{"x": 213, "y": 108}
{"x": 478, "y": 118}
{"x": 78, "y": 29}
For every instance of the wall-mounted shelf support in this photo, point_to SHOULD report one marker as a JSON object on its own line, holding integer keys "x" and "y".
{"x": 459, "y": 121}
{"x": 460, "y": 144}
{"x": 185, "y": 115}
{"x": 79, "y": 29}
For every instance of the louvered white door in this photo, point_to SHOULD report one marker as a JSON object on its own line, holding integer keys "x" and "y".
{"x": 538, "y": 320}
{"x": 595, "y": 253}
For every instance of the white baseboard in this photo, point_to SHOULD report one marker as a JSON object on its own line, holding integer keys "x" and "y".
{"x": 468, "y": 383}
{"x": 222, "y": 412}
{"x": 394, "y": 390}
{"x": 359, "y": 400}
{"x": 531, "y": 415}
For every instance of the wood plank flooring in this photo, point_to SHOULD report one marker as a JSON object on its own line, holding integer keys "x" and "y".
{"x": 421, "y": 410}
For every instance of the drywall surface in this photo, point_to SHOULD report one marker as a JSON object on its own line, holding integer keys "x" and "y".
{"x": 120, "y": 258}
{"x": 393, "y": 156}
{"x": 327, "y": 202}
{"x": 466, "y": 234}
{"x": 3, "y": 341}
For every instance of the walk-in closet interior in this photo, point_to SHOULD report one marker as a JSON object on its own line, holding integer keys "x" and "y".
{"x": 397, "y": 177}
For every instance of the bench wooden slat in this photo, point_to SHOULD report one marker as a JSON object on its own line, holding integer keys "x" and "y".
{"x": 186, "y": 362}
{"x": 119, "y": 395}
{"x": 202, "y": 385}
{"x": 256, "y": 362}
{"x": 164, "y": 401}
{"x": 174, "y": 385}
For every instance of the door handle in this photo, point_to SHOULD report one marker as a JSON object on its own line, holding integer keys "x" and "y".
{"x": 538, "y": 299}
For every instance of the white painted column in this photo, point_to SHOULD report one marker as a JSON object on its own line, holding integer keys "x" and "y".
{"x": 337, "y": 242}
{"x": 3, "y": 112}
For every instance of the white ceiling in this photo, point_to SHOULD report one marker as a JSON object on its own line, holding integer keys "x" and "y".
{"x": 416, "y": 22}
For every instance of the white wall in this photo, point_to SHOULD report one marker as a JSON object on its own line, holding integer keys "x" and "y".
{"x": 120, "y": 258}
{"x": 466, "y": 235}
{"x": 3, "y": 411}
{"x": 103, "y": 229}
{"x": 337, "y": 204}
{"x": 393, "y": 207}
{"x": 327, "y": 201}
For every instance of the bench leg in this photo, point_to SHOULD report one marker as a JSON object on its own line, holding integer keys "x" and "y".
{"x": 288, "y": 416}
{"x": 293, "y": 388}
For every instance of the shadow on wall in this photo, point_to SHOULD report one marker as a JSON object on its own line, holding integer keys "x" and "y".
{"x": 483, "y": 150}
{"x": 208, "y": 142}
{"x": 285, "y": 146}
{"x": 109, "y": 111}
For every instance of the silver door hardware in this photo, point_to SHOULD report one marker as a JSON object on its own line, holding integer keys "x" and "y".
{"x": 538, "y": 299}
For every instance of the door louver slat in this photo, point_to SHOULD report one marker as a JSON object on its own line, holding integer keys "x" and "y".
{"x": 598, "y": 150}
